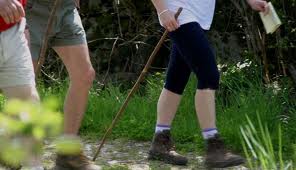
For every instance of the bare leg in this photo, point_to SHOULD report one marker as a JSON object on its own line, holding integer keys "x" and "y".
{"x": 24, "y": 92}
{"x": 167, "y": 107}
{"x": 162, "y": 147}
{"x": 205, "y": 108}
{"x": 217, "y": 156}
{"x": 77, "y": 61}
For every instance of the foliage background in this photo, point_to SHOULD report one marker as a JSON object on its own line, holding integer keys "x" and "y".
{"x": 122, "y": 34}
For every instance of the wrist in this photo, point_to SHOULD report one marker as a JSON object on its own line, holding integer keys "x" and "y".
{"x": 162, "y": 12}
{"x": 160, "y": 5}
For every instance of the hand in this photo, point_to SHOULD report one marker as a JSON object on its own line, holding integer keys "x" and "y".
{"x": 11, "y": 11}
{"x": 168, "y": 20}
{"x": 259, "y": 5}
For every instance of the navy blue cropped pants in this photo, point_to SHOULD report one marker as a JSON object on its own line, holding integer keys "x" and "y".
{"x": 191, "y": 52}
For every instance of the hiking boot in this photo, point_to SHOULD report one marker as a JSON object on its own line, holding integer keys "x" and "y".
{"x": 218, "y": 157}
{"x": 163, "y": 149}
{"x": 74, "y": 162}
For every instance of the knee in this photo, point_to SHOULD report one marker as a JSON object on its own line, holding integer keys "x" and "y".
{"x": 176, "y": 80}
{"x": 210, "y": 80}
{"x": 91, "y": 75}
{"x": 176, "y": 86}
{"x": 87, "y": 78}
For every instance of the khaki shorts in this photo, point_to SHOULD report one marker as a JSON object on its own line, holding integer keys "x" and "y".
{"x": 16, "y": 66}
{"x": 66, "y": 30}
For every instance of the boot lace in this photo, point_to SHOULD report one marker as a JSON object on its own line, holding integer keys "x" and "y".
{"x": 169, "y": 143}
{"x": 217, "y": 144}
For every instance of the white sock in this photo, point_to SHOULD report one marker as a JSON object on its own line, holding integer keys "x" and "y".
{"x": 161, "y": 128}
{"x": 209, "y": 133}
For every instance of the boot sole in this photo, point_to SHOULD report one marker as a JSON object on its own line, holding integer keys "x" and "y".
{"x": 224, "y": 164}
{"x": 161, "y": 157}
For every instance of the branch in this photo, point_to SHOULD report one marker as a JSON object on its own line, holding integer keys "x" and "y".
{"x": 110, "y": 58}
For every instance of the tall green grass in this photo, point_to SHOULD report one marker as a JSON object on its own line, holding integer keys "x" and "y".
{"x": 259, "y": 148}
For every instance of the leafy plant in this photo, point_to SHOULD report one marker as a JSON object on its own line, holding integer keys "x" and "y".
{"x": 23, "y": 128}
{"x": 259, "y": 149}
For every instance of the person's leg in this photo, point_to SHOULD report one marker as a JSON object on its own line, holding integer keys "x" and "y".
{"x": 68, "y": 39}
{"x": 196, "y": 50}
{"x": 16, "y": 72}
{"x": 206, "y": 111}
{"x": 22, "y": 92}
{"x": 26, "y": 93}
{"x": 167, "y": 106}
{"x": 176, "y": 79}
{"x": 81, "y": 73}
{"x": 162, "y": 147}
{"x": 17, "y": 75}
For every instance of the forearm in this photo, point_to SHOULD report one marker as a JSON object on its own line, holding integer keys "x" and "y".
{"x": 166, "y": 17}
{"x": 160, "y": 5}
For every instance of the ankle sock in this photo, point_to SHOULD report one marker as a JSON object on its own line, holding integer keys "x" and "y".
{"x": 209, "y": 133}
{"x": 160, "y": 128}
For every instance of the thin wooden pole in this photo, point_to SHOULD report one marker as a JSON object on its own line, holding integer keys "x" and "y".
{"x": 44, "y": 46}
{"x": 134, "y": 89}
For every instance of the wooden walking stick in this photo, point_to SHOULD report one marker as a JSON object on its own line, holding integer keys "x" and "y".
{"x": 135, "y": 87}
{"x": 43, "y": 50}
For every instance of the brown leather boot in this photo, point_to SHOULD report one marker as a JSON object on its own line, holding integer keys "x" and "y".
{"x": 74, "y": 162}
{"x": 163, "y": 149}
{"x": 218, "y": 157}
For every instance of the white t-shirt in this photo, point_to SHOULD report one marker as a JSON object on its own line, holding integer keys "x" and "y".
{"x": 201, "y": 11}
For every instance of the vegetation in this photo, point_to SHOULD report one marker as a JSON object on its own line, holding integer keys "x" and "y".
{"x": 23, "y": 128}
{"x": 259, "y": 148}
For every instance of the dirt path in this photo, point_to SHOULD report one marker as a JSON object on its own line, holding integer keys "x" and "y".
{"x": 123, "y": 155}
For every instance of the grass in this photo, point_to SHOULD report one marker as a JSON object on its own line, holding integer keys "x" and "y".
{"x": 259, "y": 147}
